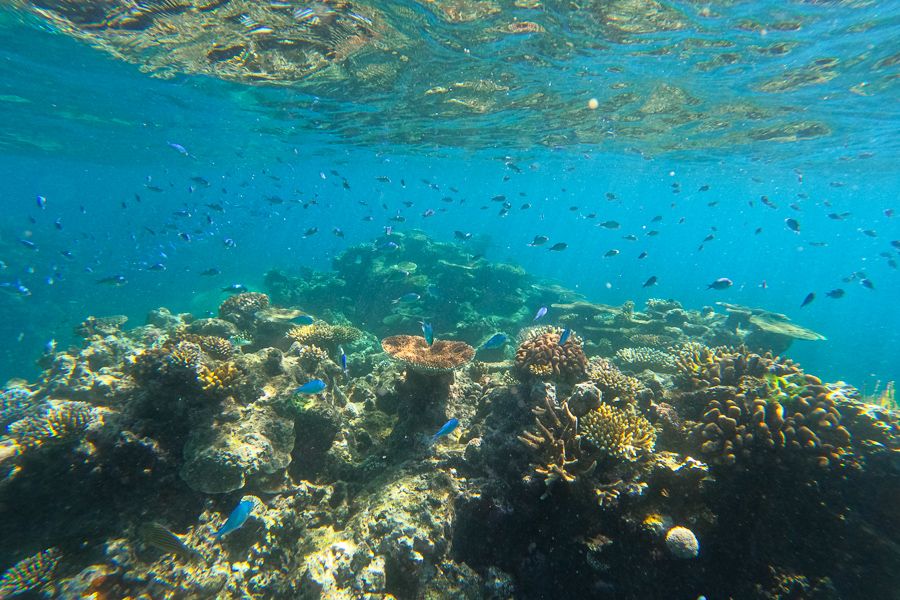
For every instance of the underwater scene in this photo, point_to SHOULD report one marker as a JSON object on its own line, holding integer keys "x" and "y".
{"x": 467, "y": 299}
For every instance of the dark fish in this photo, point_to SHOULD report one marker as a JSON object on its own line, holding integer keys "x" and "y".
{"x": 338, "y": 232}
{"x": 525, "y": 206}
{"x": 398, "y": 218}
{"x": 310, "y": 232}
{"x": 838, "y": 216}
{"x": 818, "y": 244}
{"x": 211, "y": 272}
{"x": 867, "y": 283}
{"x": 609, "y": 224}
{"x": 383, "y": 179}
{"x": 113, "y": 280}
{"x": 870, "y": 232}
{"x": 722, "y": 283}
{"x": 703, "y": 188}
{"x": 642, "y": 255}
{"x": 152, "y": 188}
{"x": 610, "y": 196}
{"x": 650, "y": 282}
{"x": 559, "y": 246}
{"x": 499, "y": 198}
{"x": 809, "y": 298}
{"x": 539, "y": 240}
{"x": 462, "y": 235}
{"x": 200, "y": 180}
{"x": 428, "y": 332}
{"x": 895, "y": 244}
{"x": 793, "y": 225}
{"x": 889, "y": 212}
{"x": 216, "y": 207}
{"x": 235, "y": 288}
{"x": 630, "y": 237}
{"x": 610, "y": 253}
{"x": 652, "y": 233}
{"x": 28, "y": 244}
{"x": 656, "y": 219}
{"x": 564, "y": 336}
{"x": 154, "y": 534}
{"x": 835, "y": 293}
{"x": 41, "y": 202}
{"x": 765, "y": 200}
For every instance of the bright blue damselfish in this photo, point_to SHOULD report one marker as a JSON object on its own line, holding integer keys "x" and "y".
{"x": 313, "y": 386}
{"x": 564, "y": 336}
{"x": 236, "y": 519}
{"x": 495, "y": 341}
{"x": 428, "y": 332}
{"x": 448, "y": 427}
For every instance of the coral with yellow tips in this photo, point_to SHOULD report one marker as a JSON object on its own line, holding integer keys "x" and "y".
{"x": 324, "y": 335}
{"x": 220, "y": 380}
{"x": 213, "y": 345}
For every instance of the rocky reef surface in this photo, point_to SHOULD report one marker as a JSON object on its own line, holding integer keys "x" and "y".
{"x": 663, "y": 453}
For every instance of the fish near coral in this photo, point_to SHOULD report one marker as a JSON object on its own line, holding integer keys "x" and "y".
{"x": 446, "y": 429}
{"x": 154, "y": 534}
{"x": 238, "y": 516}
{"x": 313, "y": 386}
{"x": 495, "y": 341}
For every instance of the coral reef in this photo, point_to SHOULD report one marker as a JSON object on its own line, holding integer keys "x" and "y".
{"x": 564, "y": 486}
{"x": 324, "y": 335}
{"x": 541, "y": 356}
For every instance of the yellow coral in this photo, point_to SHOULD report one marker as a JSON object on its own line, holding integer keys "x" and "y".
{"x": 618, "y": 433}
{"x": 221, "y": 379}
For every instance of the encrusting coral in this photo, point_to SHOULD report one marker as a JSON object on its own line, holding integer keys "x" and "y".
{"x": 541, "y": 356}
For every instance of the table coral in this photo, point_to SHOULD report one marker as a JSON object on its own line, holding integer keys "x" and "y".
{"x": 440, "y": 357}
{"x": 541, "y": 356}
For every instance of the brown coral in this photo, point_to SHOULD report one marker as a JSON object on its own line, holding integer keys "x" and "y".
{"x": 101, "y": 325}
{"x": 324, "y": 335}
{"x": 541, "y": 356}
{"x": 213, "y": 345}
{"x": 759, "y": 408}
{"x": 241, "y": 308}
{"x": 612, "y": 382}
{"x": 64, "y": 422}
{"x": 440, "y": 357}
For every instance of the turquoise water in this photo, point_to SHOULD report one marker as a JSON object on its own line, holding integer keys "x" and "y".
{"x": 86, "y": 130}
{"x": 168, "y": 153}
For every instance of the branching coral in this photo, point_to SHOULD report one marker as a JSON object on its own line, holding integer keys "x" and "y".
{"x": 29, "y": 573}
{"x": 324, "y": 335}
{"x": 241, "y": 308}
{"x": 557, "y": 443}
{"x": 756, "y": 407}
{"x": 440, "y": 357}
{"x": 213, "y": 345}
{"x": 540, "y": 355}
{"x": 622, "y": 434}
{"x": 643, "y": 357}
{"x": 611, "y": 381}
{"x": 59, "y": 424}
{"x": 220, "y": 380}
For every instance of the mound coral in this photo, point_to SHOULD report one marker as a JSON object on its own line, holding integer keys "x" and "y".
{"x": 170, "y": 363}
{"x": 540, "y": 355}
{"x": 611, "y": 381}
{"x": 241, "y": 308}
{"x": 58, "y": 424}
{"x": 324, "y": 335}
{"x": 213, "y": 345}
{"x": 440, "y": 357}
{"x": 682, "y": 543}
{"x": 622, "y": 434}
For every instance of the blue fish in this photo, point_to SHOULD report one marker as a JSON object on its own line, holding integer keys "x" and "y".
{"x": 428, "y": 332}
{"x": 540, "y": 313}
{"x": 495, "y": 341}
{"x": 303, "y": 320}
{"x": 408, "y": 298}
{"x": 313, "y": 386}
{"x": 448, "y": 427}
{"x": 237, "y": 518}
{"x": 343, "y": 360}
{"x": 564, "y": 336}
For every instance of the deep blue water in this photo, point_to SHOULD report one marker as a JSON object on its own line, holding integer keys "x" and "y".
{"x": 91, "y": 134}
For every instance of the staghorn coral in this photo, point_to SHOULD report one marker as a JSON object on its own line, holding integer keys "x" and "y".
{"x": 638, "y": 359}
{"x": 213, "y": 345}
{"x": 324, "y": 335}
{"x": 541, "y": 356}
{"x": 220, "y": 380}
{"x": 611, "y": 381}
{"x": 622, "y": 434}
{"x": 60, "y": 423}
{"x": 241, "y": 308}
{"x": 29, "y": 573}
{"x": 440, "y": 357}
